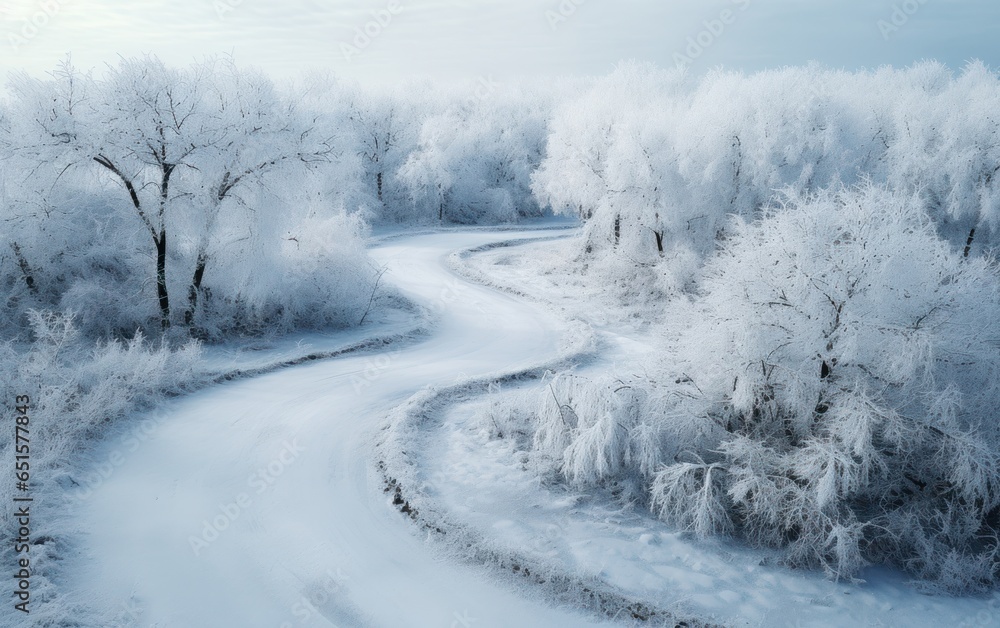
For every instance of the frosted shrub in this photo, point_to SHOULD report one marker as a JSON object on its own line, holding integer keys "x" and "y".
{"x": 506, "y": 415}
{"x": 78, "y": 387}
{"x": 597, "y": 432}
{"x": 692, "y": 496}
{"x": 77, "y": 392}
{"x": 319, "y": 277}
{"x": 847, "y": 354}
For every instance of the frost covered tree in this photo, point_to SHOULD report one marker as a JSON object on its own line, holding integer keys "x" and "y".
{"x": 385, "y": 130}
{"x": 617, "y": 157}
{"x": 944, "y": 144}
{"x": 474, "y": 160}
{"x": 179, "y": 145}
{"x": 58, "y": 234}
{"x": 254, "y": 136}
{"x": 143, "y": 123}
{"x": 843, "y": 367}
{"x": 610, "y": 159}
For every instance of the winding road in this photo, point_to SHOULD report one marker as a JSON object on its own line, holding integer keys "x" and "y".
{"x": 253, "y": 503}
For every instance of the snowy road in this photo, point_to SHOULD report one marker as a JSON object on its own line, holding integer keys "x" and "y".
{"x": 253, "y": 504}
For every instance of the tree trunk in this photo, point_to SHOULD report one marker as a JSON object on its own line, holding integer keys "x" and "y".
{"x": 161, "y": 278}
{"x": 167, "y": 169}
{"x": 618, "y": 228}
{"x": 195, "y": 288}
{"x": 157, "y": 230}
{"x": 968, "y": 242}
{"x": 378, "y": 180}
{"x": 737, "y": 169}
{"x": 22, "y": 263}
{"x": 659, "y": 241}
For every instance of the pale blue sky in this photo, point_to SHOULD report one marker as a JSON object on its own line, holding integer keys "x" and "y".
{"x": 468, "y": 39}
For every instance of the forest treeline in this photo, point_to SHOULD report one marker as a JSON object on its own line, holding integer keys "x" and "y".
{"x": 208, "y": 199}
{"x": 206, "y": 196}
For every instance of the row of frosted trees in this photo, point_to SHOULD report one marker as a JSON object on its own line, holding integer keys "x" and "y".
{"x": 656, "y": 162}
{"x": 206, "y": 198}
{"x": 190, "y": 172}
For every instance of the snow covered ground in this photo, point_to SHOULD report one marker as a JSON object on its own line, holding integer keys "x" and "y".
{"x": 255, "y": 502}
{"x": 482, "y": 484}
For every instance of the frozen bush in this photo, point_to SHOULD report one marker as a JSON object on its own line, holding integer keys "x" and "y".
{"x": 79, "y": 389}
{"x": 506, "y": 415}
{"x": 692, "y": 496}
{"x": 846, "y": 349}
{"x": 319, "y": 277}
{"x": 598, "y": 432}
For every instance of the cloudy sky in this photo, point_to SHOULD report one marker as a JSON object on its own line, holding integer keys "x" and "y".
{"x": 389, "y": 40}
